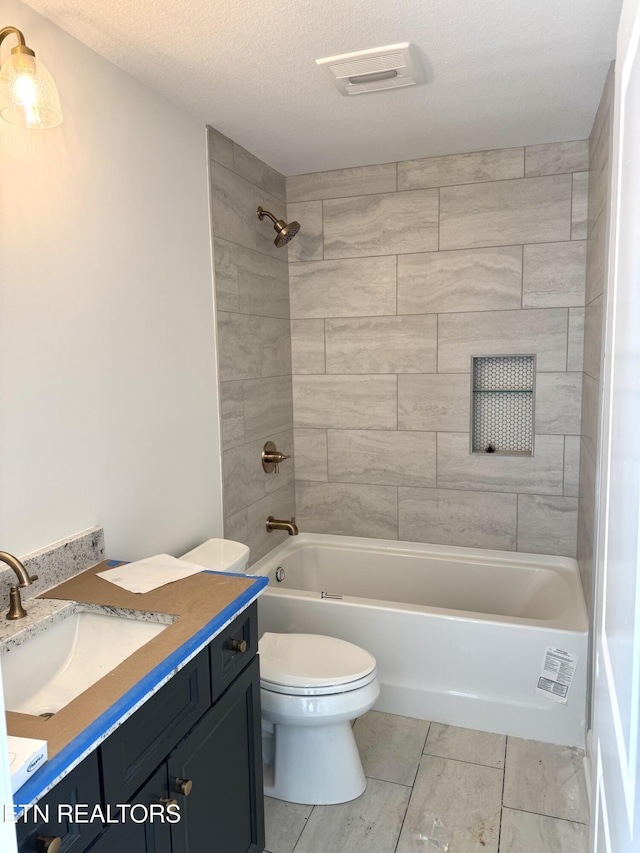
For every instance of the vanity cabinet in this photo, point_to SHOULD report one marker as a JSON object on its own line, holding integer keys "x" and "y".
{"x": 197, "y": 742}
{"x": 81, "y": 785}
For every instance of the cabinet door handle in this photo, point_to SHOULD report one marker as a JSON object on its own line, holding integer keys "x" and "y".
{"x": 48, "y": 844}
{"x": 168, "y": 801}
{"x": 238, "y": 646}
{"x": 183, "y": 786}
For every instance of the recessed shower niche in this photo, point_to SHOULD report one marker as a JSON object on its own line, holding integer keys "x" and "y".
{"x": 502, "y": 404}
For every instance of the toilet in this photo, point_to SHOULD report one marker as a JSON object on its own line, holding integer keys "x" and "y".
{"x": 312, "y": 687}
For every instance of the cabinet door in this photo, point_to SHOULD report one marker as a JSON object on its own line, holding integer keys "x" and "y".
{"x": 141, "y": 743}
{"x": 81, "y": 788}
{"x": 222, "y": 758}
{"x": 142, "y": 830}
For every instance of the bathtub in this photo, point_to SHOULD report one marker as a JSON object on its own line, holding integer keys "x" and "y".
{"x": 460, "y": 634}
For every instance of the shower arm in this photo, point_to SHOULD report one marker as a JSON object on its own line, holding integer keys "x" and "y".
{"x": 262, "y": 213}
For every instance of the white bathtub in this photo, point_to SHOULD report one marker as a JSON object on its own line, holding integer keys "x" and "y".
{"x": 459, "y": 634}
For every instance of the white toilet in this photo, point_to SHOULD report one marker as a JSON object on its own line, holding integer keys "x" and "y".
{"x": 312, "y": 688}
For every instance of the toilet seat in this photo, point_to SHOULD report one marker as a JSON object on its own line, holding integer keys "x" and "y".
{"x": 313, "y": 665}
{"x": 327, "y": 690}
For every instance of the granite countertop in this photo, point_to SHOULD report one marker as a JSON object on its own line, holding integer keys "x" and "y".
{"x": 196, "y": 609}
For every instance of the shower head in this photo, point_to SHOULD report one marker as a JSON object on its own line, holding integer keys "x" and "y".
{"x": 284, "y": 232}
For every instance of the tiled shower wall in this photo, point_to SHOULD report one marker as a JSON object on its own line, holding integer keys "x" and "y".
{"x": 401, "y": 272}
{"x": 597, "y": 270}
{"x": 254, "y": 345}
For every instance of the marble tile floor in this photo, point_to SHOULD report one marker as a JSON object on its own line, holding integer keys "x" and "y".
{"x": 433, "y": 788}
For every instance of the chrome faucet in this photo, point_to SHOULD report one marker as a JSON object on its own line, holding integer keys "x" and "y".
{"x": 276, "y": 524}
{"x": 16, "y": 610}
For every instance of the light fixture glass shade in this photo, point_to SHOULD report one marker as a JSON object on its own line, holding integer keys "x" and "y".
{"x": 28, "y": 96}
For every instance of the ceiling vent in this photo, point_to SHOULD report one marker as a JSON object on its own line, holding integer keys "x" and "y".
{"x": 391, "y": 67}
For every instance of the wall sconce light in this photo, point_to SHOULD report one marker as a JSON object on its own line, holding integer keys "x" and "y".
{"x": 28, "y": 95}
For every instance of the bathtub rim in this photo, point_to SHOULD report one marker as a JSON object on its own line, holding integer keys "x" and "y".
{"x": 574, "y": 621}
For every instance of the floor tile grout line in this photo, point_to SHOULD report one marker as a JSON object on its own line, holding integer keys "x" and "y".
{"x": 463, "y": 761}
{"x": 504, "y": 770}
{"x": 389, "y": 782}
{"x": 550, "y": 816}
{"x": 306, "y": 823}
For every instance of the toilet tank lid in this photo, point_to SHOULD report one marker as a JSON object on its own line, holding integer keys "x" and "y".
{"x": 312, "y": 660}
{"x": 219, "y": 555}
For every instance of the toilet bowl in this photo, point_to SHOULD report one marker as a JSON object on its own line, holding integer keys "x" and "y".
{"x": 311, "y": 688}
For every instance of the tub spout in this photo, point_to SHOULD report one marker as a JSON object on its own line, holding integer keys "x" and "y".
{"x": 276, "y": 524}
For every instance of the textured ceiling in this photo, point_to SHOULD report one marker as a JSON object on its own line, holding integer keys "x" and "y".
{"x": 500, "y": 72}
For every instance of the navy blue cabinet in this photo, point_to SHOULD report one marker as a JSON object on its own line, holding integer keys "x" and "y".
{"x": 193, "y": 749}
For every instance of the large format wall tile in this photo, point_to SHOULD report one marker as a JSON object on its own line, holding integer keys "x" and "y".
{"x": 554, "y": 275}
{"x": 267, "y": 406}
{"x": 232, "y": 414}
{"x": 275, "y": 341}
{"x": 345, "y": 402}
{"x": 539, "y": 474}
{"x": 225, "y": 256}
{"x": 385, "y": 458}
{"x": 452, "y": 517}
{"x": 471, "y": 168}
{"x": 542, "y": 331}
{"x": 263, "y": 284}
{"x": 597, "y": 245}
{"x": 434, "y": 401}
{"x": 311, "y": 454}
{"x": 257, "y": 172}
{"x": 347, "y": 509}
{"x": 531, "y": 210}
{"x": 465, "y": 280}
{"x": 232, "y": 207}
{"x": 603, "y": 113}
{"x": 547, "y": 525}
{"x": 307, "y": 245}
{"x": 571, "y": 465}
{"x": 307, "y": 346}
{"x": 382, "y": 344}
{"x": 347, "y": 288}
{"x": 220, "y": 147}
{"x": 599, "y": 177}
{"x": 389, "y": 224}
{"x": 241, "y": 485}
{"x": 556, "y": 158}
{"x": 579, "y": 206}
{"x": 239, "y": 347}
{"x": 593, "y": 338}
{"x": 558, "y": 403}
{"x": 586, "y": 522}
{"x": 575, "y": 344}
{"x": 342, "y": 182}
{"x": 590, "y": 414}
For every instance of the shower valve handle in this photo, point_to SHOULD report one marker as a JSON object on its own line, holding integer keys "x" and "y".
{"x": 271, "y": 458}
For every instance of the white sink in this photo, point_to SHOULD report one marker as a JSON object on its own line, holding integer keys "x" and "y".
{"x": 58, "y": 663}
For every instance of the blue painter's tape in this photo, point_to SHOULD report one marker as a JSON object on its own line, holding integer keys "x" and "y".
{"x": 113, "y": 563}
{"x": 94, "y": 733}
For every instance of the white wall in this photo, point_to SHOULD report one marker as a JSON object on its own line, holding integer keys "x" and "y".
{"x": 108, "y": 397}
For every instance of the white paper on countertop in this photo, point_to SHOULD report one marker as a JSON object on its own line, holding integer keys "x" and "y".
{"x": 150, "y": 573}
